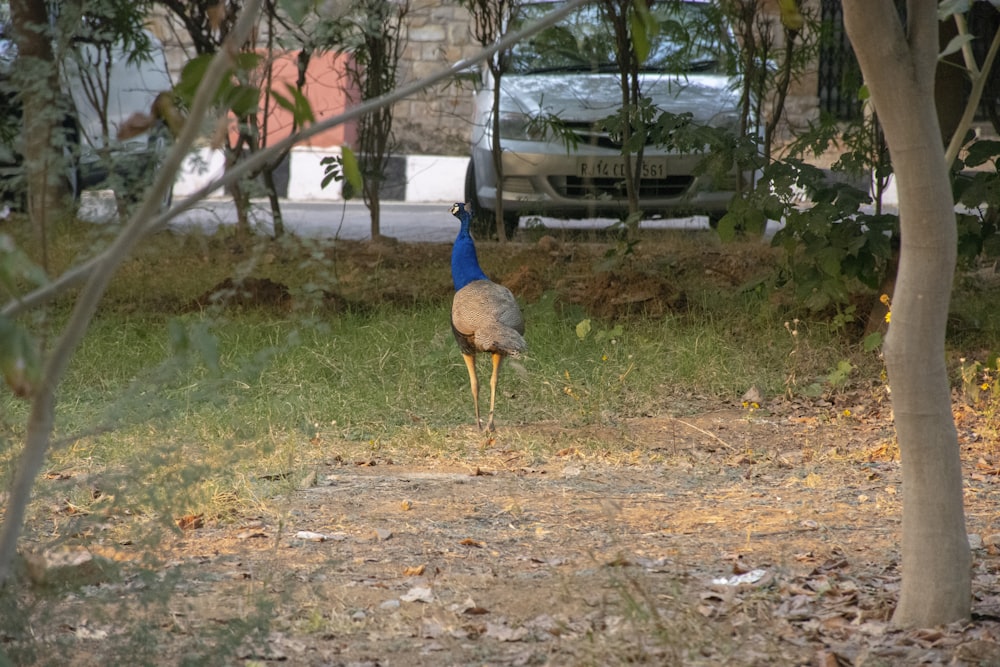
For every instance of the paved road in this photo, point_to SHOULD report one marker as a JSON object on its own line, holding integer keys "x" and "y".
{"x": 409, "y": 222}
{"x": 427, "y": 222}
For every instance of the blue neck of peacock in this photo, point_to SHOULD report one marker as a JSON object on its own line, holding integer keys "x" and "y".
{"x": 464, "y": 262}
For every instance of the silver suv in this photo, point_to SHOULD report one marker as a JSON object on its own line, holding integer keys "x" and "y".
{"x": 568, "y": 71}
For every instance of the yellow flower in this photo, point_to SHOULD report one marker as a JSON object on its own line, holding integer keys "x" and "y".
{"x": 604, "y": 357}
{"x": 985, "y": 386}
{"x": 888, "y": 317}
{"x": 847, "y": 413}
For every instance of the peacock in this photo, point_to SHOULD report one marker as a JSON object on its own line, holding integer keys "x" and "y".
{"x": 485, "y": 316}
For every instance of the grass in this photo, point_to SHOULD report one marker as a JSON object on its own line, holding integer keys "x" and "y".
{"x": 241, "y": 392}
{"x": 230, "y": 400}
{"x": 172, "y": 409}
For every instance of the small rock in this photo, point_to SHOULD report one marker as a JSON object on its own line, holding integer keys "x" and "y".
{"x": 976, "y": 541}
{"x": 308, "y": 481}
{"x": 358, "y": 616}
{"x": 310, "y": 536}
{"x": 389, "y": 604}
{"x": 382, "y": 534}
{"x": 752, "y": 396}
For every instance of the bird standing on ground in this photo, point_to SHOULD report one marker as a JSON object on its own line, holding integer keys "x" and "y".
{"x": 485, "y": 316}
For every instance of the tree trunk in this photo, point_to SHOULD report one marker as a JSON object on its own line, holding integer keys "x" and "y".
{"x": 496, "y": 153}
{"x": 278, "y": 220}
{"x": 899, "y": 70}
{"x": 37, "y": 77}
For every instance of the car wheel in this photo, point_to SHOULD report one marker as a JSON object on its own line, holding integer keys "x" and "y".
{"x": 161, "y": 146}
{"x": 484, "y": 219}
{"x": 135, "y": 180}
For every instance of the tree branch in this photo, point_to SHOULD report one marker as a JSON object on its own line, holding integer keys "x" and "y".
{"x": 42, "y": 415}
{"x": 155, "y": 222}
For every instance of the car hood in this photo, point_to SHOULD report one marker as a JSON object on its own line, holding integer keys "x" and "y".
{"x": 589, "y": 97}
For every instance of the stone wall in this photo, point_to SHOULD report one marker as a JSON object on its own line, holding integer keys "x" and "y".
{"x": 435, "y": 121}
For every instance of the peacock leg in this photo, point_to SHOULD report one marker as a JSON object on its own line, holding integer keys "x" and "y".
{"x": 497, "y": 360}
{"x": 470, "y": 363}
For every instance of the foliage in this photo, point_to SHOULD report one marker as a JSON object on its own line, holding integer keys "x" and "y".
{"x": 344, "y": 169}
{"x": 374, "y": 35}
{"x": 976, "y": 184}
{"x": 832, "y": 246}
{"x": 767, "y": 70}
{"x": 489, "y": 17}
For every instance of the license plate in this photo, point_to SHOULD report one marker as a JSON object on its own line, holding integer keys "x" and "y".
{"x": 615, "y": 168}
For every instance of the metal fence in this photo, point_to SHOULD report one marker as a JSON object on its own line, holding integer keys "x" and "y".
{"x": 839, "y": 74}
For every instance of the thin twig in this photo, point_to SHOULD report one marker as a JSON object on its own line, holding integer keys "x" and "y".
{"x": 704, "y": 432}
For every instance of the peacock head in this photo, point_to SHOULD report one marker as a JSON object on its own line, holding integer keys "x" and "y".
{"x": 458, "y": 210}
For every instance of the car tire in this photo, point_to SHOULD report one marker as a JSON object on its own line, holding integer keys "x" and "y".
{"x": 484, "y": 219}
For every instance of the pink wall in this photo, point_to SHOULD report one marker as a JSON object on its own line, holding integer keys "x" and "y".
{"x": 326, "y": 88}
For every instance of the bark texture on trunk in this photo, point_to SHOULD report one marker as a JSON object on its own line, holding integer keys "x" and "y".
{"x": 37, "y": 77}
{"x": 898, "y": 64}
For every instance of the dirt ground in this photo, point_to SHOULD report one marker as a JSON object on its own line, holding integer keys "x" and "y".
{"x": 732, "y": 536}
{"x": 728, "y": 538}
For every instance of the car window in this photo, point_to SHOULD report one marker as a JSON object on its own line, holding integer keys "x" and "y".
{"x": 689, "y": 39}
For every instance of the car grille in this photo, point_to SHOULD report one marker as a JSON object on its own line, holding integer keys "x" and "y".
{"x": 575, "y": 187}
{"x": 591, "y": 134}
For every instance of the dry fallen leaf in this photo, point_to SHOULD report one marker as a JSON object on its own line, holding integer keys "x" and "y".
{"x": 418, "y": 594}
{"x": 414, "y": 570}
{"x": 191, "y": 521}
{"x": 469, "y": 542}
{"x": 136, "y": 124}
{"x": 475, "y": 611}
{"x": 216, "y": 14}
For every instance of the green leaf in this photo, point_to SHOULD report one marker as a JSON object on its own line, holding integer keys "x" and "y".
{"x": 981, "y": 152}
{"x": 583, "y": 329}
{"x": 191, "y": 76}
{"x": 247, "y": 61}
{"x": 20, "y": 361}
{"x": 352, "y": 172}
{"x": 243, "y": 100}
{"x": 302, "y": 109}
{"x": 197, "y": 340}
{"x": 16, "y": 266}
{"x": 640, "y": 35}
{"x": 297, "y": 10}
{"x": 283, "y": 101}
{"x": 955, "y": 45}
{"x": 872, "y": 341}
{"x": 949, "y": 8}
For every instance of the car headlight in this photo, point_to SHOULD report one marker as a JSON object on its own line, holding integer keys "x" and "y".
{"x": 727, "y": 120}
{"x": 520, "y": 127}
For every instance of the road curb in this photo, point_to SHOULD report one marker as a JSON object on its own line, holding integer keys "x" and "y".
{"x": 409, "y": 178}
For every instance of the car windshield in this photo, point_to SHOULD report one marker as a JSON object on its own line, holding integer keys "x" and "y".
{"x": 688, "y": 40}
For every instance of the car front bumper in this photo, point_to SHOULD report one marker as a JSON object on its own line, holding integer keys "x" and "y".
{"x": 592, "y": 184}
